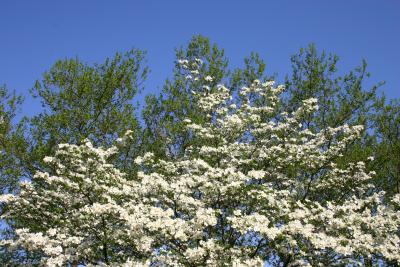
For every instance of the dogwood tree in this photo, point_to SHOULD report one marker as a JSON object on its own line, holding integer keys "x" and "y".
{"x": 255, "y": 185}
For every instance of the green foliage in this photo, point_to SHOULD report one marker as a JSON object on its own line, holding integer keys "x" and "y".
{"x": 11, "y": 140}
{"x": 341, "y": 98}
{"x": 164, "y": 114}
{"x": 82, "y": 101}
{"x": 254, "y": 69}
{"x": 387, "y": 150}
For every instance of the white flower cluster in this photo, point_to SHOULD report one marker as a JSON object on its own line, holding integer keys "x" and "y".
{"x": 257, "y": 186}
{"x": 191, "y": 72}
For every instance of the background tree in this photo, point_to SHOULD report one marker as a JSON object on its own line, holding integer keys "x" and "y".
{"x": 342, "y": 98}
{"x": 347, "y": 99}
{"x": 164, "y": 114}
{"x": 11, "y": 140}
{"x": 387, "y": 150}
{"x": 79, "y": 101}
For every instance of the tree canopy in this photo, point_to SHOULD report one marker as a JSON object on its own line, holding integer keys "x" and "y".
{"x": 223, "y": 167}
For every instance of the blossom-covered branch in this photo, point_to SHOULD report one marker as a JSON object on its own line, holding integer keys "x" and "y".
{"x": 256, "y": 185}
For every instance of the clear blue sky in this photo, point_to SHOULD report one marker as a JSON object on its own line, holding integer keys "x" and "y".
{"x": 33, "y": 34}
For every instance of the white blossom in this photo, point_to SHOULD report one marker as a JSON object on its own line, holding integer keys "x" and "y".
{"x": 251, "y": 188}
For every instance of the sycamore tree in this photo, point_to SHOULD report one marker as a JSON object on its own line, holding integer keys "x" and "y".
{"x": 257, "y": 185}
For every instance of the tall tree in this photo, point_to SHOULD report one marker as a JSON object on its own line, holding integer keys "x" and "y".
{"x": 387, "y": 150}
{"x": 82, "y": 101}
{"x": 11, "y": 140}
{"x": 343, "y": 98}
{"x": 164, "y": 114}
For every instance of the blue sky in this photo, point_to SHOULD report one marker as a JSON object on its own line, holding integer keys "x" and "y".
{"x": 34, "y": 34}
